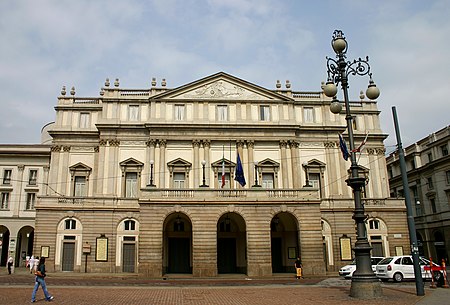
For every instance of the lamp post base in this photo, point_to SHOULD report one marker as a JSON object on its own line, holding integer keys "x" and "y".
{"x": 366, "y": 289}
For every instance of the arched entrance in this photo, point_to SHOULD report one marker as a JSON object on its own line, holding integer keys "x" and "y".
{"x": 231, "y": 244}
{"x": 177, "y": 255}
{"x": 284, "y": 242}
{"x": 25, "y": 239}
{"x": 4, "y": 238}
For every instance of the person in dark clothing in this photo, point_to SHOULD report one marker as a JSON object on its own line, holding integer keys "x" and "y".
{"x": 298, "y": 267}
{"x": 40, "y": 280}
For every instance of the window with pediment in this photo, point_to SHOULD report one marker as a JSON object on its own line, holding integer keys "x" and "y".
{"x": 223, "y": 166}
{"x": 267, "y": 171}
{"x": 179, "y": 173}
{"x": 79, "y": 179}
{"x": 131, "y": 177}
{"x": 316, "y": 170}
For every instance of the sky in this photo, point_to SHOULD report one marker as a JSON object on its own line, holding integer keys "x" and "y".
{"x": 48, "y": 44}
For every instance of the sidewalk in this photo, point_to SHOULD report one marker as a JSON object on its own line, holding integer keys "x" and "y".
{"x": 111, "y": 289}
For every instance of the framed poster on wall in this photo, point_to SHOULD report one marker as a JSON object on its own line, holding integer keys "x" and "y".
{"x": 346, "y": 248}
{"x": 101, "y": 249}
{"x": 45, "y": 251}
{"x": 292, "y": 252}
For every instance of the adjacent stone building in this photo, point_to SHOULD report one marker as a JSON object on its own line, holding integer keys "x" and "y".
{"x": 428, "y": 170}
{"x": 24, "y": 173}
{"x": 143, "y": 181}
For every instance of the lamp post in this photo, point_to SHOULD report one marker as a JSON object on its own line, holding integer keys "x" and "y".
{"x": 305, "y": 166}
{"x": 256, "y": 175}
{"x": 204, "y": 178}
{"x": 365, "y": 284}
{"x": 151, "y": 173}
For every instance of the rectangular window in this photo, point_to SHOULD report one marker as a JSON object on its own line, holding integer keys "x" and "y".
{"x": 7, "y": 176}
{"x": 133, "y": 113}
{"x": 444, "y": 150}
{"x": 84, "y": 120}
{"x": 267, "y": 180}
{"x": 222, "y": 113}
{"x": 447, "y": 175}
{"x": 131, "y": 185}
{"x": 4, "y": 204}
{"x": 413, "y": 164}
{"x": 430, "y": 183}
{"x": 430, "y": 157}
{"x": 79, "y": 186}
{"x": 32, "y": 177}
{"x": 314, "y": 180}
{"x": 433, "y": 205}
{"x": 264, "y": 113}
{"x": 31, "y": 199}
{"x": 178, "y": 180}
{"x": 227, "y": 179}
{"x": 308, "y": 114}
{"x": 179, "y": 112}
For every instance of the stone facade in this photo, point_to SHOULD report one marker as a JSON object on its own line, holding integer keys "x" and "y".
{"x": 428, "y": 170}
{"x": 24, "y": 173}
{"x": 135, "y": 181}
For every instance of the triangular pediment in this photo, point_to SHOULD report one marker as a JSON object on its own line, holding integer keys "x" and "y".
{"x": 131, "y": 162}
{"x": 179, "y": 163}
{"x": 227, "y": 162}
{"x": 315, "y": 163}
{"x": 222, "y": 86}
{"x": 268, "y": 163}
{"x": 80, "y": 167}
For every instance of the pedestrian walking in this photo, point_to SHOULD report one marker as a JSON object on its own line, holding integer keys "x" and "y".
{"x": 10, "y": 264}
{"x": 298, "y": 267}
{"x": 40, "y": 281}
{"x": 36, "y": 263}
{"x": 31, "y": 264}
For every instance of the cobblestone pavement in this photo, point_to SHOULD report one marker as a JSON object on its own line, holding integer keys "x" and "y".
{"x": 79, "y": 289}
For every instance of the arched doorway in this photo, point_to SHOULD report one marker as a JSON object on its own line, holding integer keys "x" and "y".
{"x": 284, "y": 242}
{"x": 24, "y": 246}
{"x": 231, "y": 244}
{"x": 4, "y": 238}
{"x": 127, "y": 243}
{"x": 420, "y": 244}
{"x": 177, "y": 244}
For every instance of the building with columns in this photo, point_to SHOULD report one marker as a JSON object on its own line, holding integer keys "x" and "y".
{"x": 143, "y": 181}
{"x": 428, "y": 170}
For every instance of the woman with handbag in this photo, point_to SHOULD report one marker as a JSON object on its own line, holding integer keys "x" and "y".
{"x": 40, "y": 280}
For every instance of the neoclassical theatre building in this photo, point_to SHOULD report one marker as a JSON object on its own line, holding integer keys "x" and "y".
{"x": 135, "y": 182}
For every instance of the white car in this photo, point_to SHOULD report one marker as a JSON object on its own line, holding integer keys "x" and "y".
{"x": 347, "y": 271}
{"x": 398, "y": 268}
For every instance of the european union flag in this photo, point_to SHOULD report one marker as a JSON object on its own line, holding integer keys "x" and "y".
{"x": 343, "y": 146}
{"x": 239, "y": 174}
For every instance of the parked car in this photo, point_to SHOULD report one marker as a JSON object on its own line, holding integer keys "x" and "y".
{"x": 347, "y": 271}
{"x": 399, "y": 268}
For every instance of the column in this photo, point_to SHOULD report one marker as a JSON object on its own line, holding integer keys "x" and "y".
{"x": 206, "y": 156}
{"x": 284, "y": 172}
{"x": 65, "y": 173}
{"x": 196, "y": 166}
{"x": 100, "y": 178}
{"x": 162, "y": 163}
{"x": 16, "y": 207}
{"x": 295, "y": 156}
{"x": 113, "y": 166}
{"x": 251, "y": 163}
{"x": 150, "y": 153}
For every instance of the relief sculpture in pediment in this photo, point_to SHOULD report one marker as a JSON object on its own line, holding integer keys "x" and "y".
{"x": 220, "y": 89}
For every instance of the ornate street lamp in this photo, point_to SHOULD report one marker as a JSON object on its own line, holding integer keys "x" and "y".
{"x": 256, "y": 175}
{"x": 365, "y": 284}
{"x": 204, "y": 178}
{"x": 151, "y": 173}
{"x": 305, "y": 166}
